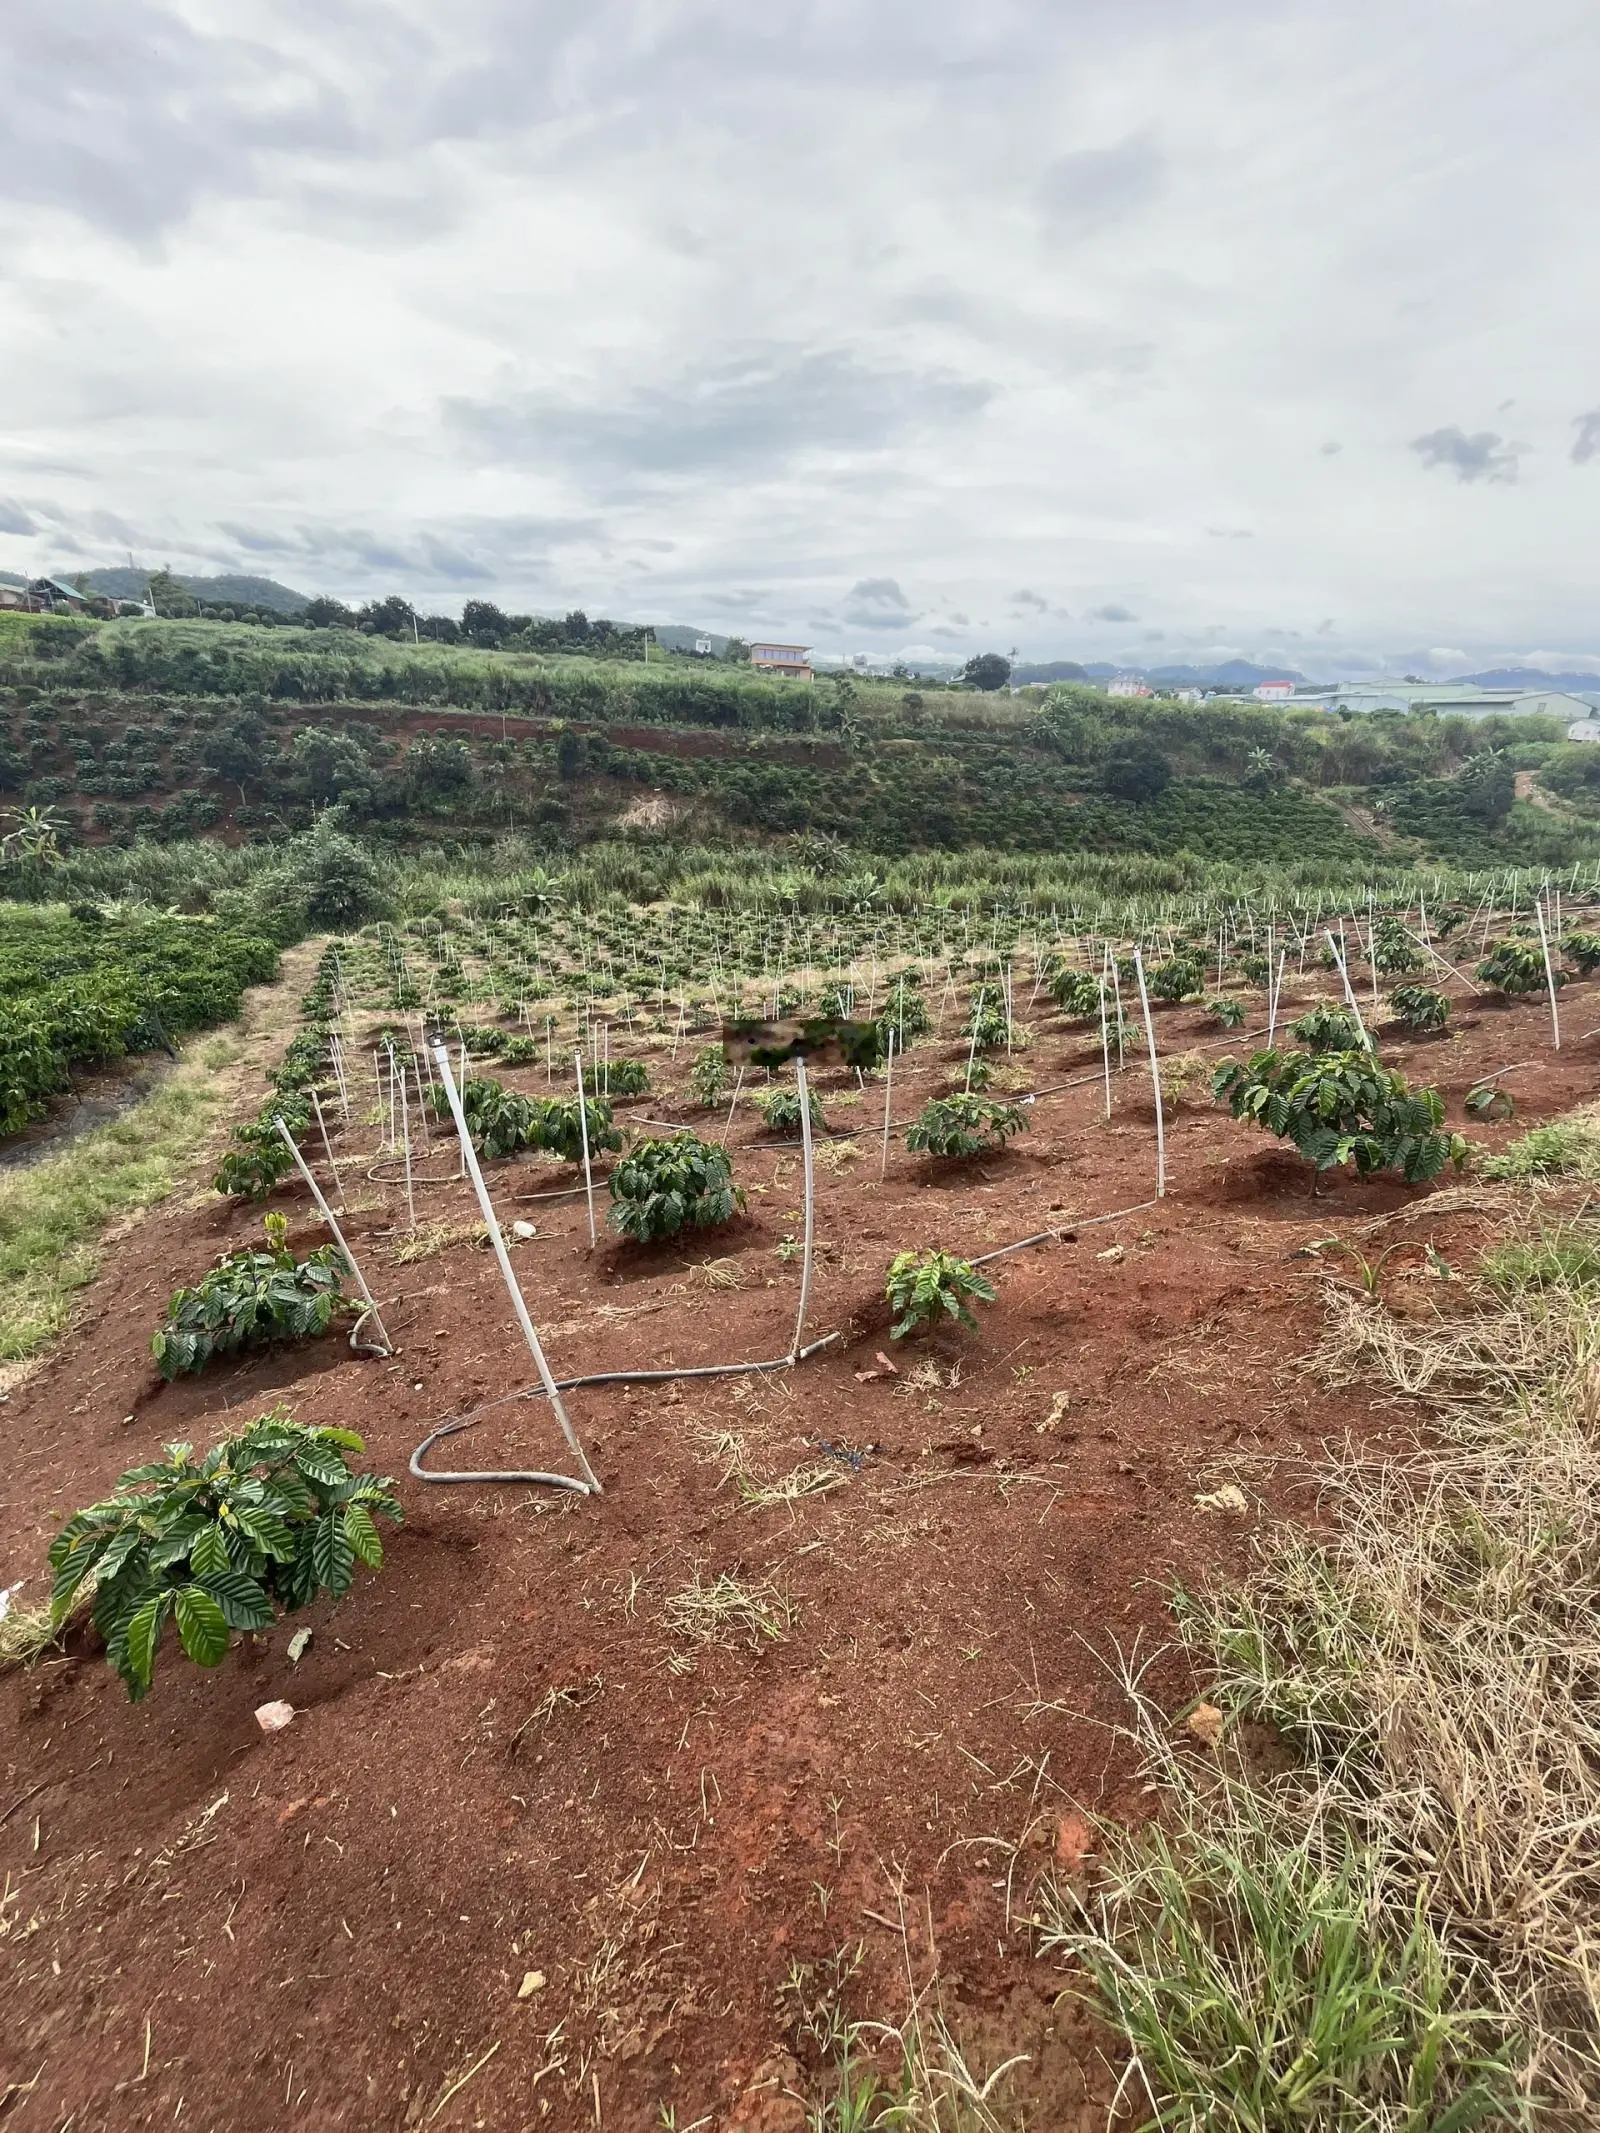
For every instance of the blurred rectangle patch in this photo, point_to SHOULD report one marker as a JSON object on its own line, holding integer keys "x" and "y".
{"x": 826, "y": 1040}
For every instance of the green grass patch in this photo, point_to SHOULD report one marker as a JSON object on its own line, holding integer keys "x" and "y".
{"x": 53, "y": 1214}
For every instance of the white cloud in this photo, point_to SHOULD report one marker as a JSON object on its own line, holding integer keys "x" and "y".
{"x": 585, "y": 307}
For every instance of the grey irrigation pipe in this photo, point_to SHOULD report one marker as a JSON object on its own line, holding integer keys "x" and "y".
{"x": 1056, "y": 1236}
{"x": 590, "y": 1485}
{"x": 583, "y": 1128}
{"x": 338, "y": 1237}
{"x": 1155, "y": 1077}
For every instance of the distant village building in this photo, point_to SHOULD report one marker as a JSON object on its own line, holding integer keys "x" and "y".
{"x": 1459, "y": 699}
{"x": 1274, "y": 692}
{"x": 793, "y": 660}
{"x": 1189, "y": 696}
{"x": 702, "y": 646}
{"x": 1584, "y": 729}
{"x": 49, "y": 596}
{"x": 1130, "y": 685}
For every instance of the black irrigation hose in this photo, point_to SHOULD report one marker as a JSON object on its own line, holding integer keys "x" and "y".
{"x": 596, "y": 1377}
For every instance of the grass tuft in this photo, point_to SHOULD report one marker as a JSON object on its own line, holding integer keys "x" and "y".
{"x": 1392, "y": 1926}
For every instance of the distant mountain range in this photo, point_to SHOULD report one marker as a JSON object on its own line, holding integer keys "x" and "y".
{"x": 1231, "y": 674}
{"x": 215, "y": 592}
{"x": 1530, "y": 678}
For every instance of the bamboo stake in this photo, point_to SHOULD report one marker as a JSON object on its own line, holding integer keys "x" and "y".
{"x": 338, "y": 1235}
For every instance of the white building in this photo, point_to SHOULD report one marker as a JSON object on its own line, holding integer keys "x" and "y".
{"x": 1584, "y": 729}
{"x": 1129, "y": 685}
{"x": 1273, "y": 692}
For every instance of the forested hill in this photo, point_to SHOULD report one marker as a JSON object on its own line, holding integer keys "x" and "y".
{"x": 166, "y": 730}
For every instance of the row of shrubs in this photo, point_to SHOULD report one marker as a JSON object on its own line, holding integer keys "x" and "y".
{"x": 81, "y": 987}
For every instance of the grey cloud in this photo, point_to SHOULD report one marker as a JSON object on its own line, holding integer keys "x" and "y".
{"x": 1089, "y": 189}
{"x": 1484, "y": 456}
{"x": 126, "y": 116}
{"x": 1586, "y": 445}
{"x": 878, "y": 604}
{"x": 749, "y": 413}
{"x": 1111, "y": 613}
{"x": 1231, "y": 533}
{"x": 1332, "y": 448}
{"x": 1024, "y": 598}
{"x": 13, "y": 519}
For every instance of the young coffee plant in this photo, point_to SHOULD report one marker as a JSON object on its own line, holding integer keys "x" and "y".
{"x": 991, "y": 1026}
{"x": 780, "y": 1108}
{"x": 925, "y": 1288}
{"x": 262, "y": 1523}
{"x": 1341, "y": 1107}
{"x": 963, "y": 1125}
{"x": 251, "y": 1299}
{"x": 708, "y": 1077}
{"x": 1227, "y": 1014}
{"x": 561, "y": 1128}
{"x": 500, "y": 1121}
{"x": 1076, "y": 993}
{"x": 1514, "y": 967}
{"x": 1179, "y": 978}
{"x": 1583, "y": 950}
{"x": 1393, "y": 950}
{"x": 1325, "y": 1028}
{"x": 1419, "y": 1007}
{"x": 620, "y": 1077}
{"x": 906, "y": 1014}
{"x": 667, "y": 1185}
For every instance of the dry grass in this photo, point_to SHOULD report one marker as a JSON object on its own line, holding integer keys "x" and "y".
{"x": 429, "y": 1239}
{"x": 717, "y": 1274}
{"x": 1407, "y": 1914}
{"x": 725, "y": 1610}
{"x": 26, "y": 1634}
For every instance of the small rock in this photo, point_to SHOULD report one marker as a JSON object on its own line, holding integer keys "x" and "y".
{"x": 523, "y": 1231}
{"x": 1230, "y": 1497}
{"x": 1113, "y": 1256}
{"x": 532, "y": 1982}
{"x": 1205, "y": 1722}
{"x": 297, "y": 1645}
{"x": 273, "y": 1717}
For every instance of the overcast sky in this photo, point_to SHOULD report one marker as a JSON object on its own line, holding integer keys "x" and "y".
{"x": 1130, "y": 329}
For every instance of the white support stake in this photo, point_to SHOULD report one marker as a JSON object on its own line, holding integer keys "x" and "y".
{"x": 518, "y": 1302}
{"x": 1155, "y": 1078}
{"x": 888, "y": 1083}
{"x": 328, "y": 1216}
{"x": 1105, "y": 1027}
{"x": 1275, "y": 987}
{"x": 805, "y": 1258}
{"x": 583, "y": 1128}
{"x": 327, "y": 1146}
{"x": 1349, "y": 993}
{"x": 1549, "y": 973}
{"x": 405, "y": 1135}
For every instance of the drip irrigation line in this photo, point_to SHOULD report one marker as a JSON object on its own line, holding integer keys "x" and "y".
{"x": 1067, "y": 1229}
{"x": 596, "y": 1377}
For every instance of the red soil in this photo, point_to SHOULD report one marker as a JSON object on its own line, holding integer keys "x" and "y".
{"x": 507, "y": 1761}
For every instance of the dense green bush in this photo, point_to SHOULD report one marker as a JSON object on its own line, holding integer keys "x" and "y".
{"x": 1341, "y": 1107}
{"x": 263, "y": 1522}
{"x": 1326, "y": 1028}
{"x": 666, "y": 1185}
{"x": 1514, "y": 967}
{"x": 79, "y": 990}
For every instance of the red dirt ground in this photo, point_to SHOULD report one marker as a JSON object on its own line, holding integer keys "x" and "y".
{"x": 506, "y": 1760}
